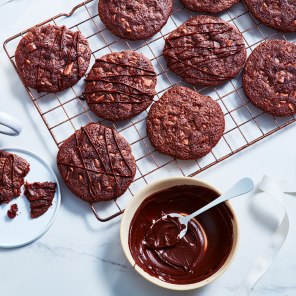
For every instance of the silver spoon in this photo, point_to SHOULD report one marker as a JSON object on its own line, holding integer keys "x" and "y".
{"x": 243, "y": 186}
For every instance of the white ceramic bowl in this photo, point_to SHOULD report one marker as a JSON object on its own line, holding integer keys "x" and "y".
{"x": 133, "y": 206}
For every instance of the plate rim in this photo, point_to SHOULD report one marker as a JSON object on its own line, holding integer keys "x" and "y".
{"x": 53, "y": 218}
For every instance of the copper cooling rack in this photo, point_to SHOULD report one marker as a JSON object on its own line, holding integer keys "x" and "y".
{"x": 66, "y": 111}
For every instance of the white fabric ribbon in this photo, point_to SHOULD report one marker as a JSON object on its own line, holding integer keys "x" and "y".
{"x": 276, "y": 188}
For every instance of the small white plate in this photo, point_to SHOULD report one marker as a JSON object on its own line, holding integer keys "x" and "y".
{"x": 23, "y": 229}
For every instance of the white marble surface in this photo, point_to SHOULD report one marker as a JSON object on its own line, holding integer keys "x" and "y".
{"x": 80, "y": 256}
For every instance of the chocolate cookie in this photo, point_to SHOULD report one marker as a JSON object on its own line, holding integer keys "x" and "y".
{"x": 96, "y": 163}
{"x": 134, "y": 19}
{"x": 269, "y": 77}
{"x": 12, "y": 212}
{"x": 184, "y": 124}
{"x": 40, "y": 196}
{"x": 210, "y": 6}
{"x": 127, "y": 77}
{"x": 205, "y": 50}
{"x": 279, "y": 15}
{"x": 13, "y": 170}
{"x": 52, "y": 58}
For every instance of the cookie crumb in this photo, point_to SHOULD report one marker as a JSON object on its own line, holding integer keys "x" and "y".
{"x": 12, "y": 212}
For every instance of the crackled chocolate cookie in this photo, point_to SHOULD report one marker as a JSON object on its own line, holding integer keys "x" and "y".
{"x": 205, "y": 50}
{"x": 184, "y": 124}
{"x": 40, "y": 196}
{"x": 279, "y": 15}
{"x": 51, "y": 58}
{"x": 134, "y": 19}
{"x": 120, "y": 85}
{"x": 11, "y": 213}
{"x": 269, "y": 80}
{"x": 96, "y": 163}
{"x": 13, "y": 170}
{"x": 210, "y": 6}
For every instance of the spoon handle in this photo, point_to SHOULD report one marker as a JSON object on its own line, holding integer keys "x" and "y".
{"x": 243, "y": 186}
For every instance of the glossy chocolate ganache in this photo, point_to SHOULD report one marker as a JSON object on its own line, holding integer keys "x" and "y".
{"x": 199, "y": 254}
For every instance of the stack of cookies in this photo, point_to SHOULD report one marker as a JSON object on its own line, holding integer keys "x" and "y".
{"x": 96, "y": 162}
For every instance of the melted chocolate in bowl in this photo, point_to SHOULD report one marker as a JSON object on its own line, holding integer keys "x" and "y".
{"x": 164, "y": 233}
{"x": 200, "y": 253}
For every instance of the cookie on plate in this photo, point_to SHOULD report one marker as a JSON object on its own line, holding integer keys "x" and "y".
{"x": 205, "y": 50}
{"x": 120, "y": 85}
{"x": 184, "y": 124}
{"x": 279, "y": 15}
{"x": 13, "y": 170}
{"x": 135, "y": 20}
{"x": 96, "y": 163}
{"x": 40, "y": 196}
{"x": 52, "y": 58}
{"x": 269, "y": 77}
{"x": 210, "y": 6}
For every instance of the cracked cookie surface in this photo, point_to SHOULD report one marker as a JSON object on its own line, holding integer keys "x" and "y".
{"x": 52, "y": 58}
{"x": 211, "y": 6}
{"x": 269, "y": 80}
{"x": 120, "y": 85}
{"x": 184, "y": 124}
{"x": 135, "y": 19}
{"x": 96, "y": 163}
{"x": 205, "y": 50}
{"x": 40, "y": 196}
{"x": 279, "y": 15}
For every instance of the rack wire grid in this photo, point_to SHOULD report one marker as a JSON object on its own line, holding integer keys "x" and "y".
{"x": 66, "y": 111}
